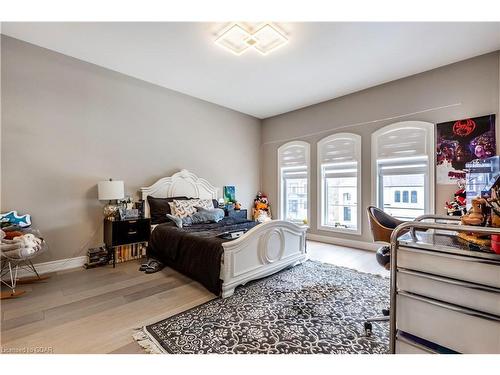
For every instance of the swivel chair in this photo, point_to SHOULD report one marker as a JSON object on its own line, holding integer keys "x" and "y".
{"x": 381, "y": 225}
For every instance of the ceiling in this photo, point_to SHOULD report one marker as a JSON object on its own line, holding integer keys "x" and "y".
{"x": 322, "y": 60}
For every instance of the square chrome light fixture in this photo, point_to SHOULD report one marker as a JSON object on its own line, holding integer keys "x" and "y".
{"x": 237, "y": 39}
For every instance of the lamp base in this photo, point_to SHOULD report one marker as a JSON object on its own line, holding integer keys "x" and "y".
{"x": 111, "y": 211}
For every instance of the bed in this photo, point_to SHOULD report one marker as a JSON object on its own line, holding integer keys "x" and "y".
{"x": 219, "y": 264}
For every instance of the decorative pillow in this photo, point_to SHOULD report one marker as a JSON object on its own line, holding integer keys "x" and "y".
{"x": 159, "y": 208}
{"x": 185, "y": 208}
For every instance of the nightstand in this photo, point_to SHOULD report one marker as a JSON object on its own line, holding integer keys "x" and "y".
{"x": 125, "y": 232}
{"x": 237, "y": 214}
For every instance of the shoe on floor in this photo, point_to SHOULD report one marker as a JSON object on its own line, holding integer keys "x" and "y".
{"x": 154, "y": 266}
{"x": 145, "y": 265}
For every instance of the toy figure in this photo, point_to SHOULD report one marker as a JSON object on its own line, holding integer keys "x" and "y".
{"x": 457, "y": 207}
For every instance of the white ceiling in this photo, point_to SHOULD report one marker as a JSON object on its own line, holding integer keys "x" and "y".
{"x": 322, "y": 60}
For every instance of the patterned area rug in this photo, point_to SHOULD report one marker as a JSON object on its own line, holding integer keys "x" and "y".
{"x": 311, "y": 308}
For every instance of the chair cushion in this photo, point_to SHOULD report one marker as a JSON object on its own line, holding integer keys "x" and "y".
{"x": 384, "y": 219}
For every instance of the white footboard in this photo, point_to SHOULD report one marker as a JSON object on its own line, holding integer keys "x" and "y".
{"x": 263, "y": 250}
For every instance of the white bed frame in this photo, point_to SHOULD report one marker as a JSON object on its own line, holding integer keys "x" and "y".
{"x": 263, "y": 250}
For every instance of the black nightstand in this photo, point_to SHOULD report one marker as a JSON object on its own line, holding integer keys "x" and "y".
{"x": 237, "y": 214}
{"x": 125, "y": 232}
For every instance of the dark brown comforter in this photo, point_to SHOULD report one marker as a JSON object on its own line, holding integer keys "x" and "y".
{"x": 195, "y": 251}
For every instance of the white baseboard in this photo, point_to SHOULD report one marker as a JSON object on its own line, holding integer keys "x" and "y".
{"x": 343, "y": 242}
{"x": 55, "y": 265}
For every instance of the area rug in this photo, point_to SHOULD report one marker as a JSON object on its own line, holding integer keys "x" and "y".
{"x": 311, "y": 308}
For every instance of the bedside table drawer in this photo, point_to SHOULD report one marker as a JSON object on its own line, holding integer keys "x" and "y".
{"x": 123, "y": 232}
{"x": 237, "y": 214}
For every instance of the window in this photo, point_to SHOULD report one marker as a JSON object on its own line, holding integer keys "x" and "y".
{"x": 339, "y": 187}
{"x": 293, "y": 167}
{"x": 403, "y": 157}
{"x": 347, "y": 213}
{"x": 405, "y": 196}
{"x": 397, "y": 196}
{"x": 414, "y": 196}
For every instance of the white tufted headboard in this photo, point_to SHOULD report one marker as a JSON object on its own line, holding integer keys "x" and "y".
{"x": 183, "y": 183}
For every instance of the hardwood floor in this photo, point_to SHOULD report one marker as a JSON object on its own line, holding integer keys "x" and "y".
{"x": 95, "y": 311}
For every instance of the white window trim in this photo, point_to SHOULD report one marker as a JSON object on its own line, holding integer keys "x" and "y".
{"x": 431, "y": 155}
{"x": 320, "y": 185}
{"x": 308, "y": 162}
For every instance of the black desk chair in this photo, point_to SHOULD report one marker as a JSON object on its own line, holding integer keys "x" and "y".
{"x": 381, "y": 225}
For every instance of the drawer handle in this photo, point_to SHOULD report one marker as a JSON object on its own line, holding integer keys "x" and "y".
{"x": 446, "y": 280}
{"x": 448, "y": 306}
{"x": 132, "y": 221}
{"x": 132, "y": 232}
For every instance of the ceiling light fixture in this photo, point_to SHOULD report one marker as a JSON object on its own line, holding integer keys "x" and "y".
{"x": 237, "y": 39}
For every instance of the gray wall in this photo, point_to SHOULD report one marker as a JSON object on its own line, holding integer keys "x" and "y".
{"x": 465, "y": 89}
{"x": 68, "y": 124}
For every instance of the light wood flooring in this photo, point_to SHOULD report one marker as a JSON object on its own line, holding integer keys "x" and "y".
{"x": 96, "y": 310}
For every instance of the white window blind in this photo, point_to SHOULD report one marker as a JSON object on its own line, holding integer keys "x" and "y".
{"x": 403, "y": 141}
{"x": 403, "y": 158}
{"x": 294, "y": 155}
{"x": 293, "y": 167}
{"x": 339, "y": 162}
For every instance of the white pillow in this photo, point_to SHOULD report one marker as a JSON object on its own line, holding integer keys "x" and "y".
{"x": 185, "y": 208}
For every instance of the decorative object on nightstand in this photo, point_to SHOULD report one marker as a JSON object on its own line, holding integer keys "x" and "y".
{"x": 120, "y": 233}
{"x": 110, "y": 191}
{"x": 221, "y": 203}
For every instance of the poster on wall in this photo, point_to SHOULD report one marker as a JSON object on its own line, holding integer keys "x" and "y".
{"x": 229, "y": 194}
{"x": 459, "y": 142}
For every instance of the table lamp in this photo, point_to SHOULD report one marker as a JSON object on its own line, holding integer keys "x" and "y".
{"x": 110, "y": 191}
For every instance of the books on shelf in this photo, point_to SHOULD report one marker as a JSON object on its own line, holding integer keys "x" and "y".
{"x": 100, "y": 256}
{"x": 129, "y": 252}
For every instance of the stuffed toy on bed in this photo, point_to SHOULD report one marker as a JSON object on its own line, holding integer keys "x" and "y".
{"x": 202, "y": 215}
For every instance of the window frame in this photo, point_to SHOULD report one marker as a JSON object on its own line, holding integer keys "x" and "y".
{"x": 430, "y": 182}
{"x": 321, "y": 184}
{"x": 280, "y": 203}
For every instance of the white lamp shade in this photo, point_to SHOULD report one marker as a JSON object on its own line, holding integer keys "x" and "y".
{"x": 109, "y": 190}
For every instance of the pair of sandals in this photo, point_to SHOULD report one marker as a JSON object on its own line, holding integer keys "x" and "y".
{"x": 151, "y": 266}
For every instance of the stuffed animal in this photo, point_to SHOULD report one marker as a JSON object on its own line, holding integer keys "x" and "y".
{"x": 20, "y": 247}
{"x": 262, "y": 208}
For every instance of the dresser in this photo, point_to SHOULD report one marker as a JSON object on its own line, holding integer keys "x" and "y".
{"x": 447, "y": 297}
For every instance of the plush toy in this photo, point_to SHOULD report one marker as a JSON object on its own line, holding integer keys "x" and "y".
{"x": 262, "y": 208}
{"x": 20, "y": 247}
